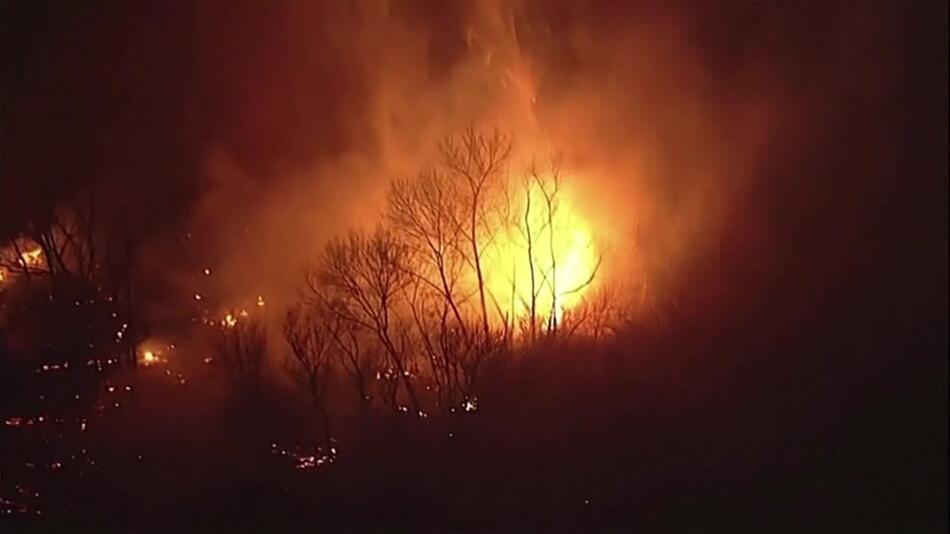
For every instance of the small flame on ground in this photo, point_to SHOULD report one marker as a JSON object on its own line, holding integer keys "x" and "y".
{"x": 32, "y": 257}
{"x": 149, "y": 354}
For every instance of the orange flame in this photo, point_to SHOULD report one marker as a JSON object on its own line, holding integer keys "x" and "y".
{"x": 549, "y": 259}
{"x": 32, "y": 257}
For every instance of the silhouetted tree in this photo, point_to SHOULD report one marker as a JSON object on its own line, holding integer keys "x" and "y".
{"x": 477, "y": 162}
{"x": 359, "y": 361}
{"x": 311, "y": 346}
{"x": 416, "y": 289}
{"x": 242, "y": 349}
{"x": 361, "y": 279}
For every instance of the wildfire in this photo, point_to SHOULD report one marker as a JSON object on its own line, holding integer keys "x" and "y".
{"x": 547, "y": 258}
{"x": 13, "y": 258}
{"x": 150, "y": 354}
{"x": 32, "y": 257}
{"x": 229, "y": 320}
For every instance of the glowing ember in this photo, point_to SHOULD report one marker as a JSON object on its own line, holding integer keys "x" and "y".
{"x": 15, "y": 421}
{"x": 302, "y": 461}
{"x": 150, "y": 353}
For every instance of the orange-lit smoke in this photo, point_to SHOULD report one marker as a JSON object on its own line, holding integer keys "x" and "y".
{"x": 654, "y": 148}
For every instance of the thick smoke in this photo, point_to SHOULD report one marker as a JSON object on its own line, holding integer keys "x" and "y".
{"x": 245, "y": 136}
{"x": 653, "y": 144}
{"x": 663, "y": 128}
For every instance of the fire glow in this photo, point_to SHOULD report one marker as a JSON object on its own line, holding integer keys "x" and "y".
{"x": 545, "y": 260}
{"x": 22, "y": 256}
{"x": 150, "y": 354}
{"x": 32, "y": 257}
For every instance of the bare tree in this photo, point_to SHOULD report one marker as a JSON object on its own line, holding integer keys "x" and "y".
{"x": 359, "y": 362}
{"x": 610, "y": 309}
{"x": 425, "y": 212}
{"x": 448, "y": 218}
{"x": 597, "y": 317}
{"x": 416, "y": 293}
{"x": 539, "y": 230}
{"x": 242, "y": 348}
{"x": 549, "y": 187}
{"x": 311, "y": 345}
{"x": 528, "y": 231}
{"x": 477, "y": 163}
{"x": 86, "y": 245}
{"x": 445, "y": 345}
{"x": 361, "y": 279}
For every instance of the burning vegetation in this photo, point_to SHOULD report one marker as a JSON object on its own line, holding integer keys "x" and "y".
{"x": 468, "y": 266}
{"x": 475, "y": 259}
